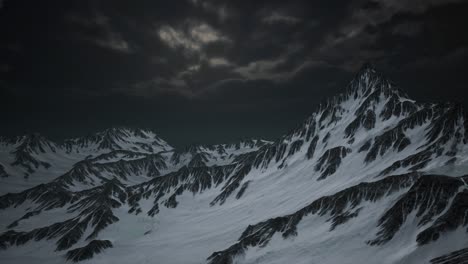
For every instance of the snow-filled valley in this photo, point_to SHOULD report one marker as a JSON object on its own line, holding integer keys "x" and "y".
{"x": 370, "y": 177}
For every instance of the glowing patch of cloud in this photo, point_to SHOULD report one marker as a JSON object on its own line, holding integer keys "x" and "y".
{"x": 192, "y": 39}
{"x": 276, "y": 17}
{"x": 216, "y": 62}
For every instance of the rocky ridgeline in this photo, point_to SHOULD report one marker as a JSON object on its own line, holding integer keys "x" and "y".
{"x": 429, "y": 195}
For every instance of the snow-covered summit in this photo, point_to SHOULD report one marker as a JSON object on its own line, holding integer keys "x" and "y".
{"x": 119, "y": 138}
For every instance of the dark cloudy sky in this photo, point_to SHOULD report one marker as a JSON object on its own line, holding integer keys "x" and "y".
{"x": 212, "y": 71}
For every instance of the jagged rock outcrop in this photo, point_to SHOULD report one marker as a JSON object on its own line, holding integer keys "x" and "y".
{"x": 394, "y": 138}
{"x": 366, "y": 120}
{"x": 429, "y": 197}
{"x": 456, "y": 257}
{"x": 88, "y": 171}
{"x": 169, "y": 186}
{"x": 46, "y": 196}
{"x": 87, "y": 252}
{"x": 3, "y": 173}
{"x": 94, "y": 212}
{"x": 200, "y": 155}
{"x": 30, "y": 145}
{"x": 312, "y": 147}
{"x": 453, "y": 218}
{"x": 330, "y": 161}
{"x": 397, "y": 107}
{"x": 118, "y": 138}
{"x": 340, "y": 207}
{"x": 198, "y": 160}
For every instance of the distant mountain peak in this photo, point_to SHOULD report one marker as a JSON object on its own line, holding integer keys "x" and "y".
{"x": 36, "y": 142}
{"x": 369, "y": 80}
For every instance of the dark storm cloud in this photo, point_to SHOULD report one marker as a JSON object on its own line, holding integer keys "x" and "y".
{"x": 219, "y": 69}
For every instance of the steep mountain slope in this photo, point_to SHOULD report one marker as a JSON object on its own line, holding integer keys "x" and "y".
{"x": 32, "y": 159}
{"x": 370, "y": 177}
{"x": 135, "y": 155}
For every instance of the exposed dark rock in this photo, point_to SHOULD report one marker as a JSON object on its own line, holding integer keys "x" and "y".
{"x": 245, "y": 143}
{"x": 393, "y": 138}
{"x": 417, "y": 161}
{"x": 172, "y": 201}
{"x": 353, "y": 126}
{"x": 3, "y": 173}
{"x": 281, "y": 151}
{"x": 429, "y": 197}
{"x": 312, "y": 146}
{"x": 418, "y": 118}
{"x": 444, "y": 125}
{"x": 88, "y": 251}
{"x": 110, "y": 138}
{"x": 447, "y": 125}
{"x": 198, "y": 160}
{"x": 55, "y": 194}
{"x": 242, "y": 189}
{"x": 332, "y": 113}
{"x": 451, "y": 161}
{"x": 454, "y": 217}
{"x": 176, "y": 156}
{"x": 456, "y": 257}
{"x": 310, "y": 128}
{"x": 46, "y": 196}
{"x": 366, "y": 146}
{"x": 220, "y": 150}
{"x": 87, "y": 171}
{"x": 25, "y": 216}
{"x": 343, "y": 218}
{"x": 10, "y": 140}
{"x": 233, "y": 183}
{"x": 95, "y": 212}
{"x": 340, "y": 207}
{"x": 265, "y": 155}
{"x": 200, "y": 154}
{"x": 115, "y": 138}
{"x": 372, "y": 99}
{"x": 392, "y": 107}
{"x": 194, "y": 179}
{"x": 68, "y": 231}
{"x": 295, "y": 147}
{"x": 30, "y": 145}
{"x": 373, "y": 86}
{"x": 117, "y": 155}
{"x": 366, "y": 120}
{"x": 35, "y": 143}
{"x": 331, "y": 160}
{"x": 397, "y": 107}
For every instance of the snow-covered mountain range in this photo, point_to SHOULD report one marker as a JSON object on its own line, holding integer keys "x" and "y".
{"x": 371, "y": 176}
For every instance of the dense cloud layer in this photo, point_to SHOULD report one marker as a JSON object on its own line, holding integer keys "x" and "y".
{"x": 210, "y": 71}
